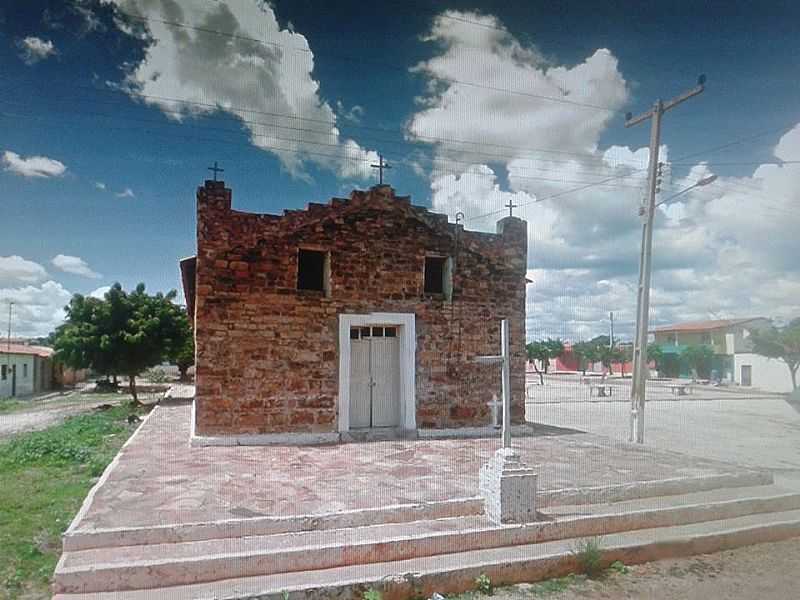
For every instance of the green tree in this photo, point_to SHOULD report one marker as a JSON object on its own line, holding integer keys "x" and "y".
{"x": 537, "y": 351}
{"x": 782, "y": 343}
{"x": 544, "y": 351}
{"x": 554, "y": 349}
{"x": 656, "y": 354}
{"x": 699, "y": 358}
{"x": 123, "y": 333}
{"x": 184, "y": 355}
{"x": 585, "y": 352}
{"x": 609, "y": 356}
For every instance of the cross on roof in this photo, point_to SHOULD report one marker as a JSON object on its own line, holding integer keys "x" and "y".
{"x": 381, "y": 166}
{"x": 510, "y": 206}
{"x": 215, "y": 169}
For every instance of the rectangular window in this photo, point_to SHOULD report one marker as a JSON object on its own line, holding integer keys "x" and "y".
{"x": 390, "y": 332}
{"x": 25, "y": 370}
{"x": 3, "y": 373}
{"x": 434, "y": 274}
{"x": 313, "y": 271}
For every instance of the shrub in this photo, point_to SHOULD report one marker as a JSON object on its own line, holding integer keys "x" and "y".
{"x": 484, "y": 584}
{"x": 589, "y": 556}
{"x": 156, "y": 375}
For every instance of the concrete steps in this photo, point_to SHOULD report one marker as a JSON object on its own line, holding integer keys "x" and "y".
{"x": 307, "y": 555}
{"x": 456, "y": 572}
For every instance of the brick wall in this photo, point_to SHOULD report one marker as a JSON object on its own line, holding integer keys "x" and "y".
{"x": 267, "y": 353}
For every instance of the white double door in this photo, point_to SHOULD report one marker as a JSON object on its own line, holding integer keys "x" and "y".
{"x": 374, "y": 377}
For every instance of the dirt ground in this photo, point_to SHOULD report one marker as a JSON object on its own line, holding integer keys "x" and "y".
{"x": 53, "y": 408}
{"x": 763, "y": 572}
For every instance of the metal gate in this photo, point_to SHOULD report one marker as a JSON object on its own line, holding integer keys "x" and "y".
{"x": 374, "y": 377}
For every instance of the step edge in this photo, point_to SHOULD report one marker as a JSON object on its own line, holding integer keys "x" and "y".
{"x": 405, "y": 578}
{"x": 195, "y": 532}
{"x": 437, "y": 542}
{"x": 699, "y": 508}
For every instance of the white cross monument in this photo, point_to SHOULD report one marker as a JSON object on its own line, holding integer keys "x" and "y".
{"x": 507, "y": 485}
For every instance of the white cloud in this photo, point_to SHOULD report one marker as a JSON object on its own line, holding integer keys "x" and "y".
{"x": 38, "y": 309}
{"x": 100, "y": 185}
{"x": 75, "y": 265}
{"x": 15, "y": 270}
{"x": 100, "y": 292}
{"x": 126, "y": 193}
{"x": 32, "y": 166}
{"x": 34, "y": 49}
{"x": 354, "y": 114}
{"x": 272, "y": 81}
{"x": 725, "y": 250}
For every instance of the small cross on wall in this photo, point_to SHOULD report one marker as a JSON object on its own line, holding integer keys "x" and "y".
{"x": 382, "y": 164}
{"x": 511, "y": 206}
{"x": 215, "y": 169}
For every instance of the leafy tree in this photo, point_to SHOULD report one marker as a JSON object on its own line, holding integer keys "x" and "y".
{"x": 585, "y": 352}
{"x": 656, "y": 354}
{"x": 184, "y": 355}
{"x": 781, "y": 343}
{"x": 699, "y": 357}
{"x": 544, "y": 351}
{"x": 124, "y": 333}
{"x": 537, "y": 351}
{"x": 609, "y": 356}
{"x": 554, "y": 348}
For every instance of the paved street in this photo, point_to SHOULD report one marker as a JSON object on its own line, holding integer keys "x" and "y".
{"x": 754, "y": 429}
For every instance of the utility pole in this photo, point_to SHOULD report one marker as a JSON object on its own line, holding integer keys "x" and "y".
{"x": 647, "y": 212}
{"x": 8, "y": 354}
{"x": 611, "y": 337}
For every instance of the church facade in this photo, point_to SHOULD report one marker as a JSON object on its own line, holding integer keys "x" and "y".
{"x": 361, "y": 314}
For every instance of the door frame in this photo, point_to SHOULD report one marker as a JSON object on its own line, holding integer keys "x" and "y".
{"x": 405, "y": 322}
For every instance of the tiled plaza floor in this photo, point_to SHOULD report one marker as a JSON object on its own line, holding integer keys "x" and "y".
{"x": 159, "y": 479}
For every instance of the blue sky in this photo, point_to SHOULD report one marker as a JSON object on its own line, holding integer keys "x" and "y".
{"x": 111, "y": 195}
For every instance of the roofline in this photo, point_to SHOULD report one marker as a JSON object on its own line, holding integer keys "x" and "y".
{"x": 688, "y": 325}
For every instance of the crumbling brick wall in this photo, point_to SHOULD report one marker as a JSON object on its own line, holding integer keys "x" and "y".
{"x": 267, "y": 353}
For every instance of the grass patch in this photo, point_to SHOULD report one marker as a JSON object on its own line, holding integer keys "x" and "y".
{"x": 44, "y": 477}
{"x": 557, "y": 585}
{"x": 8, "y": 405}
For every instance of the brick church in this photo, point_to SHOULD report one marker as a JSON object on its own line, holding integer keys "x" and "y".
{"x": 361, "y": 314}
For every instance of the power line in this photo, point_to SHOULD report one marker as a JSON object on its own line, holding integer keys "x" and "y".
{"x": 383, "y": 65}
{"x": 403, "y": 160}
{"x": 236, "y": 109}
{"x": 684, "y": 157}
{"x": 487, "y": 156}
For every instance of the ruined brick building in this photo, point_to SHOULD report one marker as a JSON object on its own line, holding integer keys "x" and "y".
{"x": 360, "y": 313}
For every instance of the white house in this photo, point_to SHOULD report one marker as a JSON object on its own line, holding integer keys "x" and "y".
{"x": 769, "y": 374}
{"x": 25, "y": 369}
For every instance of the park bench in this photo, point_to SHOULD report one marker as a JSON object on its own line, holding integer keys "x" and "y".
{"x": 680, "y": 389}
{"x": 603, "y": 388}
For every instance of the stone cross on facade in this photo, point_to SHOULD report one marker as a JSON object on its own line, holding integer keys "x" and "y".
{"x": 382, "y": 164}
{"x": 215, "y": 169}
{"x": 511, "y": 206}
{"x": 507, "y": 485}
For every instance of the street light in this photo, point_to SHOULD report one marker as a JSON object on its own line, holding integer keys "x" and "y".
{"x": 699, "y": 183}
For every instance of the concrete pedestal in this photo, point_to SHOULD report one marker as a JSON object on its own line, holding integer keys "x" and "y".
{"x": 508, "y": 486}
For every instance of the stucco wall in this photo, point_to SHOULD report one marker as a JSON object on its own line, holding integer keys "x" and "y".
{"x": 24, "y": 368}
{"x": 768, "y": 374}
{"x": 267, "y": 353}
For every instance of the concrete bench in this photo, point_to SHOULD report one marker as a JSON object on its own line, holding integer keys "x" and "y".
{"x": 680, "y": 389}
{"x": 603, "y": 389}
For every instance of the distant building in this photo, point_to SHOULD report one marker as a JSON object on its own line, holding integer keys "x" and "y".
{"x": 25, "y": 369}
{"x": 734, "y": 358}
